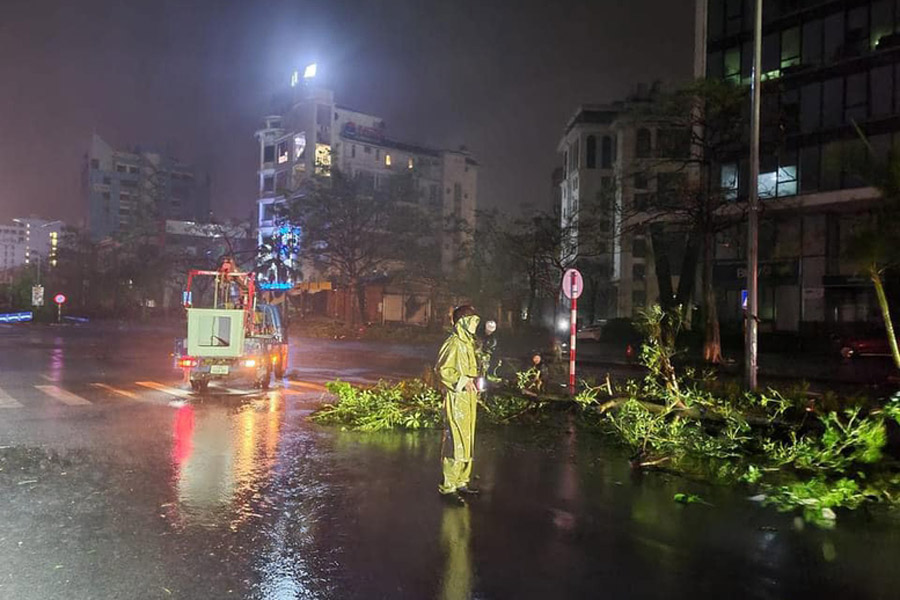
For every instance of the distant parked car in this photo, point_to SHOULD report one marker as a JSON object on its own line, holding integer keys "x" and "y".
{"x": 866, "y": 344}
{"x": 594, "y": 331}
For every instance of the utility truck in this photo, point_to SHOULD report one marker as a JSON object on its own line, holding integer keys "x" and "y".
{"x": 232, "y": 334}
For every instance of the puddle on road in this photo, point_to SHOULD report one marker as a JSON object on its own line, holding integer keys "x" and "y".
{"x": 331, "y": 513}
{"x": 244, "y": 494}
{"x": 223, "y": 449}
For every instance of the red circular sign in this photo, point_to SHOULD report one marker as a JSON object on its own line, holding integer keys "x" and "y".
{"x": 572, "y": 283}
{"x": 59, "y": 298}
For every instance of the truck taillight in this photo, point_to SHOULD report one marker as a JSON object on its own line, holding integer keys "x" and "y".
{"x": 249, "y": 363}
{"x": 187, "y": 362}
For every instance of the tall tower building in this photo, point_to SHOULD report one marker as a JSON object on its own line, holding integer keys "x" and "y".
{"x": 123, "y": 187}
{"x": 312, "y": 134}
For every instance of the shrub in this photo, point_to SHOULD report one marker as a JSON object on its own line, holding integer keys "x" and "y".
{"x": 408, "y": 405}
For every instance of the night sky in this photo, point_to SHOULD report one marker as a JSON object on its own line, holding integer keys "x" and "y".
{"x": 197, "y": 76}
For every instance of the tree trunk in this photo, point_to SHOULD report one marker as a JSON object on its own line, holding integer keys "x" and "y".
{"x": 663, "y": 270}
{"x": 875, "y": 275}
{"x": 712, "y": 343}
{"x": 361, "y": 301}
{"x": 532, "y": 293}
{"x": 684, "y": 297}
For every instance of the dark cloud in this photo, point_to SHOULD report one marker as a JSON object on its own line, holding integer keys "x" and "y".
{"x": 196, "y": 77}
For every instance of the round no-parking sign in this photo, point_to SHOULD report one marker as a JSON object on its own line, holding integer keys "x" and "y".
{"x": 572, "y": 284}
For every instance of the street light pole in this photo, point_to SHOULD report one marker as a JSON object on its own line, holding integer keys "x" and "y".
{"x": 751, "y": 345}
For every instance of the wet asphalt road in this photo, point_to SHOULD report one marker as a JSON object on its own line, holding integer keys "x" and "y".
{"x": 116, "y": 483}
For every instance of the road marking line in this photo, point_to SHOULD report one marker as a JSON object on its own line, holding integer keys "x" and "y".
{"x": 164, "y": 388}
{"x": 46, "y": 377}
{"x": 310, "y": 386}
{"x": 62, "y": 395}
{"x": 235, "y": 392}
{"x": 7, "y": 401}
{"x": 109, "y": 388}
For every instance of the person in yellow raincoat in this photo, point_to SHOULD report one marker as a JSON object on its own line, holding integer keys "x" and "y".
{"x": 457, "y": 370}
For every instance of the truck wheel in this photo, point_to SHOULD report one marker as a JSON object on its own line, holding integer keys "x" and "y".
{"x": 199, "y": 385}
{"x": 262, "y": 381}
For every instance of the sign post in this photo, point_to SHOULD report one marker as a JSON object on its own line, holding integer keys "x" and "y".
{"x": 60, "y": 299}
{"x": 572, "y": 285}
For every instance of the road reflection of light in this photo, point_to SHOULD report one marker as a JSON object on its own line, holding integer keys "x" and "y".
{"x": 273, "y": 422}
{"x": 182, "y": 442}
{"x": 568, "y": 489}
{"x": 456, "y": 534}
{"x": 222, "y": 459}
{"x": 57, "y": 361}
{"x": 829, "y": 552}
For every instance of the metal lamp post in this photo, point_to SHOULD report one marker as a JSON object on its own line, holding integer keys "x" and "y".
{"x": 751, "y": 342}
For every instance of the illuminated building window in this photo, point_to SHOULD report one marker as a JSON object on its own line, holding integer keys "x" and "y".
{"x": 781, "y": 182}
{"x": 787, "y": 181}
{"x": 323, "y": 159}
{"x": 409, "y": 163}
{"x": 729, "y": 181}
{"x": 733, "y": 64}
{"x": 299, "y": 146}
{"x": 284, "y": 152}
{"x": 387, "y": 160}
{"x": 790, "y": 47}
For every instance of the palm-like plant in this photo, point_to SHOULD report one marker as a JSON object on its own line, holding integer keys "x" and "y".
{"x": 876, "y": 247}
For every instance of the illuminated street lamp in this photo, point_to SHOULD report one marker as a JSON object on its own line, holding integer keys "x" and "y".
{"x": 309, "y": 72}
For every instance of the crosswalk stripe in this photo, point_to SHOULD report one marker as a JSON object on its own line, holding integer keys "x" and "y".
{"x": 164, "y": 388}
{"x": 109, "y": 388}
{"x": 62, "y": 395}
{"x": 7, "y": 401}
{"x": 311, "y": 386}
